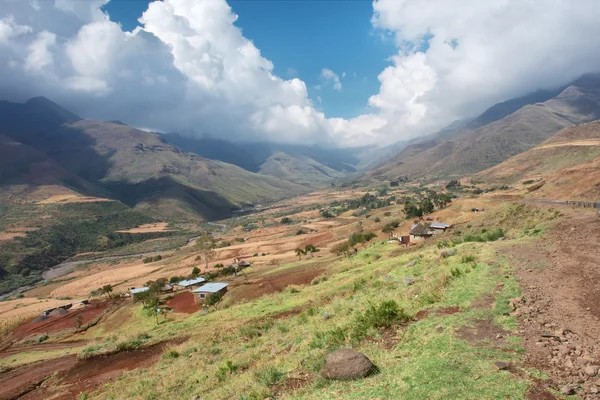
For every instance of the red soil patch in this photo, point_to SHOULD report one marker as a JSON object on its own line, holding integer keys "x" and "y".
{"x": 448, "y": 310}
{"x": 87, "y": 375}
{"x": 184, "y": 303}
{"x": 60, "y": 323}
{"x": 274, "y": 284}
{"x": 25, "y": 379}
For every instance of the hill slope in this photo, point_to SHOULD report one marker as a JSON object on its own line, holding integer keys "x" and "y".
{"x": 139, "y": 168}
{"x": 468, "y": 151}
{"x": 569, "y": 163}
{"x": 258, "y": 157}
{"x": 301, "y": 170}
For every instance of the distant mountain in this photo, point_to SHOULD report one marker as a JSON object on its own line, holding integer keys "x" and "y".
{"x": 331, "y": 163}
{"x": 468, "y": 151}
{"x": 140, "y": 169}
{"x": 301, "y": 170}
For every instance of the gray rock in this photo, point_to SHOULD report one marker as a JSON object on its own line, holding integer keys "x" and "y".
{"x": 501, "y": 365}
{"x": 409, "y": 280}
{"x": 591, "y": 370}
{"x": 568, "y": 389}
{"x": 327, "y": 316}
{"x": 346, "y": 364}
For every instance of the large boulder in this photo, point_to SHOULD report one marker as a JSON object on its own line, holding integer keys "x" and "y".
{"x": 346, "y": 364}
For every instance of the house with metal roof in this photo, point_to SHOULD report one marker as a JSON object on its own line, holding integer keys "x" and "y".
{"x": 188, "y": 283}
{"x": 439, "y": 226}
{"x": 210, "y": 288}
{"x": 135, "y": 291}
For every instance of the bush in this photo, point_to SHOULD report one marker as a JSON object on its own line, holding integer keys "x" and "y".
{"x": 468, "y": 259}
{"x": 376, "y": 219}
{"x": 286, "y": 221}
{"x": 240, "y": 240}
{"x": 330, "y": 339}
{"x": 171, "y": 354}
{"x": 442, "y": 244}
{"x": 386, "y": 314}
{"x": 147, "y": 260}
{"x": 269, "y": 376}
{"x": 129, "y": 345}
{"x": 42, "y": 338}
{"x": 387, "y": 214}
{"x": 299, "y": 232}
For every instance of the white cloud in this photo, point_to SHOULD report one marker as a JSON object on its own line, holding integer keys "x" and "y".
{"x": 329, "y": 75}
{"x": 189, "y": 68}
{"x": 9, "y": 29}
{"x": 40, "y": 55}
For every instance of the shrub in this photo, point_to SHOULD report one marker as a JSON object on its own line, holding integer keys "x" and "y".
{"x": 330, "y": 339}
{"x": 129, "y": 345}
{"x": 468, "y": 259}
{"x": 528, "y": 182}
{"x": 239, "y": 240}
{"x": 147, "y": 260}
{"x": 229, "y": 368}
{"x": 286, "y": 221}
{"x": 442, "y": 244}
{"x": 387, "y": 214}
{"x": 42, "y": 338}
{"x": 376, "y": 219}
{"x": 269, "y": 376}
{"x": 386, "y": 314}
{"x": 171, "y": 354}
{"x": 218, "y": 265}
{"x": 299, "y": 232}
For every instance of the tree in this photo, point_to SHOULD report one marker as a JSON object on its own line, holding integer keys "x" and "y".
{"x": 300, "y": 252}
{"x": 286, "y": 221}
{"x": 149, "y": 298}
{"x": 106, "y": 289}
{"x": 342, "y": 248}
{"x": 310, "y": 248}
{"x": 206, "y": 245}
{"x": 412, "y": 210}
{"x": 453, "y": 184}
{"x": 441, "y": 200}
{"x": 426, "y": 206}
{"x": 195, "y": 272}
{"x": 326, "y": 214}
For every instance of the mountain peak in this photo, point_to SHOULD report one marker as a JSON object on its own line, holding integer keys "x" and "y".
{"x": 44, "y": 104}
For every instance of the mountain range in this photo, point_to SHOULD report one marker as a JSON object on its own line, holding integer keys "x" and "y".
{"x": 504, "y": 130}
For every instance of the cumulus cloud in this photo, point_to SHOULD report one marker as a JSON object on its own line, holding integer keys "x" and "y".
{"x": 9, "y": 29}
{"x": 331, "y": 76}
{"x": 188, "y": 68}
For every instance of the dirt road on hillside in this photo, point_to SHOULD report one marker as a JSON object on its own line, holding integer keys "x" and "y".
{"x": 560, "y": 311}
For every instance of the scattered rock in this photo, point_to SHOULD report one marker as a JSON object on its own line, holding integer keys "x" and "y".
{"x": 346, "y": 364}
{"x": 591, "y": 370}
{"x": 501, "y": 365}
{"x": 409, "y": 280}
{"x": 568, "y": 389}
{"x": 327, "y": 316}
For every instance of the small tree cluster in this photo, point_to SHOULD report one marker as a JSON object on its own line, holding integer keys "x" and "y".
{"x": 308, "y": 249}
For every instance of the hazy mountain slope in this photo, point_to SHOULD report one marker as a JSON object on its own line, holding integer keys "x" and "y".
{"x": 139, "y": 168}
{"x": 252, "y": 156}
{"x": 566, "y": 159}
{"x": 300, "y": 170}
{"x": 468, "y": 152}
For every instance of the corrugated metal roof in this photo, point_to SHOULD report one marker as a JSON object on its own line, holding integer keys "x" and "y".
{"x": 439, "y": 225}
{"x": 190, "y": 282}
{"x": 211, "y": 287}
{"x": 139, "y": 290}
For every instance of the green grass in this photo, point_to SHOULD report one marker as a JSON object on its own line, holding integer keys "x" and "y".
{"x": 242, "y": 351}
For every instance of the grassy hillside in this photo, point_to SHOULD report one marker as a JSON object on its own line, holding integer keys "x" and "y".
{"x": 468, "y": 151}
{"x": 568, "y": 162}
{"x": 434, "y": 327}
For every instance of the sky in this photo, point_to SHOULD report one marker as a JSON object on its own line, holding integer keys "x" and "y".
{"x": 338, "y": 73}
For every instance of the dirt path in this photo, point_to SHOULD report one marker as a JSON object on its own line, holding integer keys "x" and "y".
{"x": 41, "y": 347}
{"x": 560, "y": 311}
{"x": 590, "y": 142}
{"x": 25, "y": 379}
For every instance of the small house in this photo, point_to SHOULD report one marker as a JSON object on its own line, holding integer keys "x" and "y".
{"x": 244, "y": 264}
{"x": 135, "y": 291}
{"x": 438, "y": 227}
{"x": 203, "y": 292}
{"x": 190, "y": 283}
{"x": 420, "y": 231}
{"x": 167, "y": 287}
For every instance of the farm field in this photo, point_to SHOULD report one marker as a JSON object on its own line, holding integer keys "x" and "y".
{"x": 449, "y": 314}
